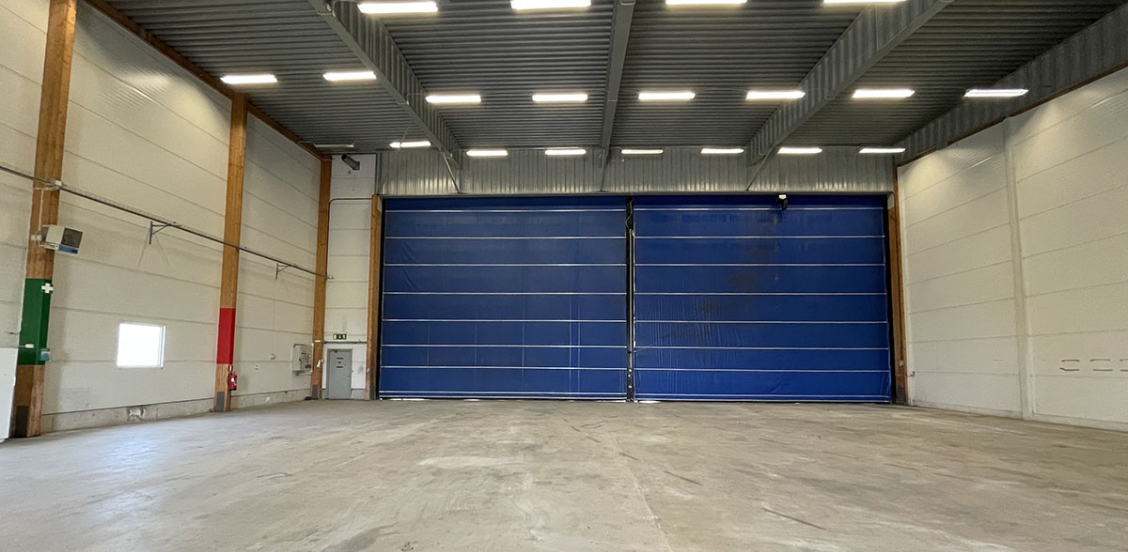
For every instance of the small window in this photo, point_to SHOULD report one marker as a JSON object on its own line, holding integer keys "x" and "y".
{"x": 140, "y": 345}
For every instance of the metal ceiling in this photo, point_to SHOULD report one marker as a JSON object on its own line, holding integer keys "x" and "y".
{"x": 970, "y": 43}
{"x": 488, "y": 48}
{"x": 720, "y": 53}
{"x": 484, "y": 46}
{"x": 287, "y": 38}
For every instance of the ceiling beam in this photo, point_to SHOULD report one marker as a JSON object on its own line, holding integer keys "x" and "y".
{"x": 620, "y": 33}
{"x": 876, "y": 32}
{"x": 1095, "y": 52}
{"x": 372, "y": 44}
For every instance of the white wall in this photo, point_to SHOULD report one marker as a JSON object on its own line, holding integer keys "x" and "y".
{"x": 346, "y": 295}
{"x": 144, "y": 132}
{"x": 960, "y": 294}
{"x": 1016, "y": 244}
{"x": 280, "y": 195}
{"x": 21, "y": 74}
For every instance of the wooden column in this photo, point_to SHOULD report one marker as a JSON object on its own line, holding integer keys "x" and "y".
{"x": 897, "y": 298}
{"x": 232, "y": 232}
{"x": 53, "y": 100}
{"x": 375, "y": 237}
{"x": 319, "y": 282}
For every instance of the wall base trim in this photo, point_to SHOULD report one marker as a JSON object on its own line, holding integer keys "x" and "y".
{"x": 1080, "y": 422}
{"x": 87, "y": 419}
{"x": 1041, "y": 418}
{"x": 969, "y": 409}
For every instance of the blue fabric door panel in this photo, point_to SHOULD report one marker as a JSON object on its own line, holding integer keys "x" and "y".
{"x": 760, "y": 279}
{"x": 504, "y": 382}
{"x": 493, "y": 356}
{"x": 514, "y": 225}
{"x": 505, "y": 297}
{"x": 763, "y": 359}
{"x": 427, "y": 332}
{"x": 762, "y": 335}
{"x": 760, "y": 251}
{"x": 507, "y": 307}
{"x": 507, "y": 279}
{"x": 502, "y": 251}
{"x": 737, "y": 299}
{"x": 762, "y": 386}
{"x": 816, "y": 308}
{"x": 767, "y": 223}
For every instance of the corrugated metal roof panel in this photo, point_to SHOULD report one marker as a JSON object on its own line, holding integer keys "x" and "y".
{"x": 720, "y": 53}
{"x": 969, "y": 43}
{"x": 484, "y": 46}
{"x": 678, "y": 170}
{"x": 287, "y": 38}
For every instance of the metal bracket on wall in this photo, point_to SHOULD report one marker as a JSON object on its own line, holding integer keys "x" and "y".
{"x": 156, "y": 223}
{"x": 155, "y": 228}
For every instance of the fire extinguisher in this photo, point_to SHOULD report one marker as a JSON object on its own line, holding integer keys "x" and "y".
{"x": 232, "y": 379}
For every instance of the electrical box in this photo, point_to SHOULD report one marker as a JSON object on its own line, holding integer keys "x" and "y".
{"x": 61, "y": 239}
{"x": 302, "y": 358}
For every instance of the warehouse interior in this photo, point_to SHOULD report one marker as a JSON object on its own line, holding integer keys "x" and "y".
{"x": 684, "y": 275}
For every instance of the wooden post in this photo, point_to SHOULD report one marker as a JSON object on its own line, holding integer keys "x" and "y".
{"x": 375, "y": 236}
{"x": 897, "y": 298}
{"x": 53, "y": 100}
{"x": 232, "y": 232}
{"x": 319, "y": 282}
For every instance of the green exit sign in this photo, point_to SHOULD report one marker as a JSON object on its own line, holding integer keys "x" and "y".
{"x": 340, "y": 337}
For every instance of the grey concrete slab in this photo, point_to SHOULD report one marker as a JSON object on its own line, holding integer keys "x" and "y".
{"x": 558, "y": 476}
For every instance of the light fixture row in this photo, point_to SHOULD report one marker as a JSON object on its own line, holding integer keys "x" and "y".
{"x": 643, "y": 96}
{"x": 408, "y": 7}
{"x": 708, "y": 150}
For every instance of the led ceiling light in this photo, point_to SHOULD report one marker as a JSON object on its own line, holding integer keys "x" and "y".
{"x": 560, "y": 97}
{"x": 260, "y": 78}
{"x": 799, "y": 151}
{"x": 339, "y": 76}
{"x": 526, "y": 5}
{"x": 638, "y": 151}
{"x": 761, "y": 95}
{"x": 721, "y": 151}
{"x": 883, "y": 93}
{"x": 667, "y": 96}
{"x": 451, "y": 99}
{"x": 416, "y": 144}
{"x": 705, "y": 2}
{"x": 862, "y": 1}
{"x": 881, "y": 151}
{"x": 996, "y": 92}
{"x": 335, "y": 146}
{"x": 397, "y": 8}
{"x": 564, "y": 152}
{"x": 487, "y": 153}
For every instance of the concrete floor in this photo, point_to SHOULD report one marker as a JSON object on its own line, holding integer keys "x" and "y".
{"x": 527, "y": 476}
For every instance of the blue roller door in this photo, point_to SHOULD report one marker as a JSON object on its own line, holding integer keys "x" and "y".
{"x": 505, "y": 297}
{"x": 736, "y": 299}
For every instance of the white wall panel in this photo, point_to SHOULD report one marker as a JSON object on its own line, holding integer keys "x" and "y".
{"x": 143, "y": 132}
{"x": 975, "y": 251}
{"x": 1069, "y": 160}
{"x": 981, "y": 285}
{"x": 1079, "y": 266}
{"x": 959, "y": 277}
{"x": 22, "y": 28}
{"x": 21, "y": 66}
{"x": 346, "y": 295}
{"x": 275, "y": 311}
{"x": 961, "y": 221}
